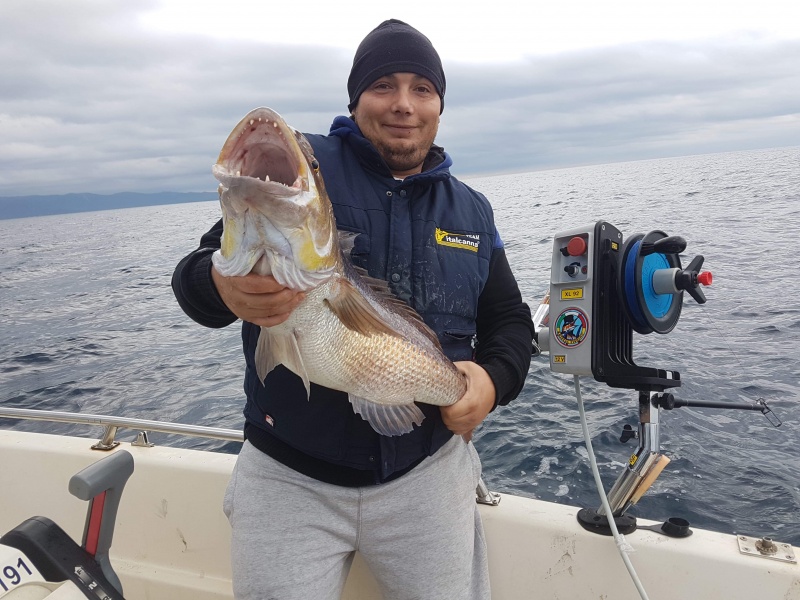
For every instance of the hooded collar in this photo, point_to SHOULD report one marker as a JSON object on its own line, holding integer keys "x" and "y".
{"x": 435, "y": 167}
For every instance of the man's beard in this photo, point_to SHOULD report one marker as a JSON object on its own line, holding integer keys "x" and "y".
{"x": 403, "y": 159}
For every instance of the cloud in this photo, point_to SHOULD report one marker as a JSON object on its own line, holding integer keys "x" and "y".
{"x": 624, "y": 103}
{"x": 93, "y": 101}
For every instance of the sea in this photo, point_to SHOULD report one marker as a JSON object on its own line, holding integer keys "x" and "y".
{"x": 89, "y": 324}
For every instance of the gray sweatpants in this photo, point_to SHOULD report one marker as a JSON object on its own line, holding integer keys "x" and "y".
{"x": 294, "y": 537}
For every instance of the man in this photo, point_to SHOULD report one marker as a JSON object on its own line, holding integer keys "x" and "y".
{"x": 314, "y": 482}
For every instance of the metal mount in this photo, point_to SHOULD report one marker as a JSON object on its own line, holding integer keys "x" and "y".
{"x": 484, "y": 496}
{"x": 142, "y": 440}
{"x": 107, "y": 442}
{"x": 766, "y": 547}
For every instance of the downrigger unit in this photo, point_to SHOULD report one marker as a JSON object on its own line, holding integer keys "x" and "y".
{"x": 602, "y": 289}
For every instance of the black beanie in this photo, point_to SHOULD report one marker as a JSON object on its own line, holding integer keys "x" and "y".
{"x": 394, "y": 47}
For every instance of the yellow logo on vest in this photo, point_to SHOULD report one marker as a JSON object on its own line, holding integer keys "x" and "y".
{"x": 465, "y": 241}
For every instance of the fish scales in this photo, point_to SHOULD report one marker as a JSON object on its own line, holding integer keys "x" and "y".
{"x": 389, "y": 368}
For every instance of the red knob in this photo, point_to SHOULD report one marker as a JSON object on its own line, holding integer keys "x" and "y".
{"x": 576, "y": 246}
{"x": 705, "y": 278}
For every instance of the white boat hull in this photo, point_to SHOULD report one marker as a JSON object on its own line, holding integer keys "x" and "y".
{"x": 172, "y": 540}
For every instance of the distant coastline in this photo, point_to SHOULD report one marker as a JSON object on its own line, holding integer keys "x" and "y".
{"x": 16, "y": 207}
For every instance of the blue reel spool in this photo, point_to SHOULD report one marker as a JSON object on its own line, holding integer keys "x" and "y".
{"x": 646, "y": 309}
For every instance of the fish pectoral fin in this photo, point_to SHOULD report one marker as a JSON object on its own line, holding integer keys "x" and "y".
{"x": 395, "y": 419}
{"x": 356, "y": 313}
{"x": 273, "y": 350}
{"x": 265, "y": 357}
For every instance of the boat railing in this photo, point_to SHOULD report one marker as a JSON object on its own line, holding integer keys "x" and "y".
{"x": 112, "y": 424}
{"x": 143, "y": 427}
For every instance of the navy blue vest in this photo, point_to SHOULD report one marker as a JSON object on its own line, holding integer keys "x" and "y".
{"x": 431, "y": 237}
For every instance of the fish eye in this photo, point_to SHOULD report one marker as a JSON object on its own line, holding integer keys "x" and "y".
{"x": 315, "y": 164}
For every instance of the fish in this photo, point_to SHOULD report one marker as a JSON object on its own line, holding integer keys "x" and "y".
{"x": 350, "y": 333}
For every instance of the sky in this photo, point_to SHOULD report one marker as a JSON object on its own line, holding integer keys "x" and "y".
{"x": 106, "y": 96}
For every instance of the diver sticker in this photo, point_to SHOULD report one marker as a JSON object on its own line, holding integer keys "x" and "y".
{"x": 465, "y": 241}
{"x": 571, "y": 327}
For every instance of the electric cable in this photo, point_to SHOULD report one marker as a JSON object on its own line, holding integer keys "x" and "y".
{"x": 622, "y": 545}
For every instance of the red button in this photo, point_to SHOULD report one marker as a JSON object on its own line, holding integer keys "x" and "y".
{"x": 576, "y": 246}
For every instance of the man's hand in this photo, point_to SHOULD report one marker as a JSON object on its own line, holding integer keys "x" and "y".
{"x": 477, "y": 402}
{"x": 258, "y": 299}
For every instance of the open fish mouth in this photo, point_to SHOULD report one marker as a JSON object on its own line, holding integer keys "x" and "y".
{"x": 274, "y": 220}
{"x": 262, "y": 146}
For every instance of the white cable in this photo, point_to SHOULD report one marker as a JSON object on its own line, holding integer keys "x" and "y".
{"x": 622, "y": 545}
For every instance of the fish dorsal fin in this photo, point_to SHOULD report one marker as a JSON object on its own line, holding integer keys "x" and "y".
{"x": 382, "y": 291}
{"x": 347, "y": 240}
{"x": 355, "y": 312}
{"x": 387, "y": 419}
